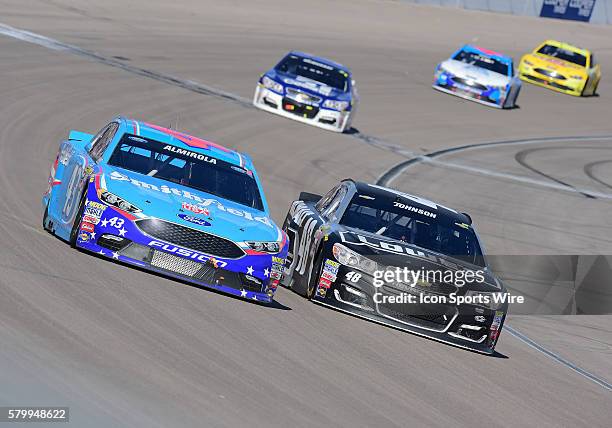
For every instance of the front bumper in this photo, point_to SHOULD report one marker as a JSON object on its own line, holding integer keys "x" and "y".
{"x": 331, "y": 120}
{"x": 553, "y": 84}
{"x": 114, "y": 234}
{"x": 468, "y": 95}
{"x": 465, "y": 326}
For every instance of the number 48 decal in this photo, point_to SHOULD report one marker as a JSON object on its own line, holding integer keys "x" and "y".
{"x": 353, "y": 276}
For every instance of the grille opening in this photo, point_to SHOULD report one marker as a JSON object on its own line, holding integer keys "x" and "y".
{"x": 190, "y": 238}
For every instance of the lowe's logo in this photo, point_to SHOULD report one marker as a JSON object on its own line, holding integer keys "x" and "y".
{"x": 190, "y": 254}
{"x": 192, "y": 219}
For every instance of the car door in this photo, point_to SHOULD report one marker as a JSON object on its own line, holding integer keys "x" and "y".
{"x": 76, "y": 172}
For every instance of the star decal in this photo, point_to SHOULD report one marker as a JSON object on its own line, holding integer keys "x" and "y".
{"x": 104, "y": 223}
{"x": 266, "y": 272}
{"x": 93, "y": 235}
{"x": 122, "y": 231}
{"x": 243, "y": 293}
{"x": 115, "y": 255}
{"x": 101, "y": 252}
{"x": 254, "y": 297}
{"x": 250, "y": 270}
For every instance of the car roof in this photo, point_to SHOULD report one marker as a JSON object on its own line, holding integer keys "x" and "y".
{"x": 381, "y": 192}
{"x": 565, "y": 46}
{"x": 185, "y": 141}
{"x": 321, "y": 60}
{"x": 492, "y": 54}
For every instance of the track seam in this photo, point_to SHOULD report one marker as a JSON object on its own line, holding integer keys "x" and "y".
{"x": 431, "y": 158}
{"x": 593, "y": 378}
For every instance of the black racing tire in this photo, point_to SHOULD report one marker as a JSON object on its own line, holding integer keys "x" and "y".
{"x": 586, "y": 84}
{"x": 45, "y": 218}
{"x": 315, "y": 274}
{"x": 74, "y": 232}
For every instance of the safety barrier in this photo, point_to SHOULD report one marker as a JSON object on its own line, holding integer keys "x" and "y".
{"x": 593, "y": 11}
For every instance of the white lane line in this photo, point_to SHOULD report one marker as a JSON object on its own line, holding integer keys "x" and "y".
{"x": 390, "y": 175}
{"x": 49, "y": 43}
{"x": 590, "y": 376}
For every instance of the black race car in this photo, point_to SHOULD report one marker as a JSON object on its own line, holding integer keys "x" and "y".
{"x": 396, "y": 259}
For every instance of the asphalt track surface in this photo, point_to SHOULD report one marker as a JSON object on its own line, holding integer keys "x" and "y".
{"x": 126, "y": 348}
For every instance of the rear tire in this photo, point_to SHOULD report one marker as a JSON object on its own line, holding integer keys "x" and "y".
{"x": 74, "y": 232}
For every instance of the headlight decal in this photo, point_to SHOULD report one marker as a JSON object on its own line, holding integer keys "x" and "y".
{"x": 352, "y": 259}
{"x": 336, "y": 105}
{"x": 272, "y": 84}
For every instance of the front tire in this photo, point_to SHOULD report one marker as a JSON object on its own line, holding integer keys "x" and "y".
{"x": 45, "y": 220}
{"x": 74, "y": 232}
{"x": 315, "y": 274}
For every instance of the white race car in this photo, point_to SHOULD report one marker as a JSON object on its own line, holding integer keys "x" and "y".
{"x": 479, "y": 75}
{"x": 309, "y": 89}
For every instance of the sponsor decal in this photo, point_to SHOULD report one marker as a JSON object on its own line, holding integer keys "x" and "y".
{"x": 93, "y": 212}
{"x": 394, "y": 247}
{"x": 324, "y": 283}
{"x": 96, "y": 205}
{"x": 91, "y": 219}
{"x": 194, "y": 208}
{"x": 201, "y": 202}
{"x": 88, "y": 227}
{"x": 192, "y": 219}
{"x": 321, "y": 291}
{"x": 497, "y": 320}
{"x": 190, "y": 254}
{"x": 84, "y": 236}
{"x": 275, "y": 275}
{"x": 279, "y": 260}
{"x": 189, "y": 153}
{"x": 479, "y": 318}
{"x": 328, "y": 275}
{"x": 332, "y": 263}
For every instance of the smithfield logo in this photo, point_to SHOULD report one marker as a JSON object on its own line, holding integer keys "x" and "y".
{"x": 193, "y": 219}
{"x": 201, "y": 202}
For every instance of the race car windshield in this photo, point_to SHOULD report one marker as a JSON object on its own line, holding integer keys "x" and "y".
{"x": 423, "y": 227}
{"x": 482, "y": 61}
{"x": 314, "y": 70}
{"x": 565, "y": 55}
{"x": 187, "y": 168}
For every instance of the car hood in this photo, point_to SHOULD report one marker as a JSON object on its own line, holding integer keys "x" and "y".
{"x": 189, "y": 207}
{"x": 477, "y": 74}
{"x": 309, "y": 86}
{"x": 390, "y": 252}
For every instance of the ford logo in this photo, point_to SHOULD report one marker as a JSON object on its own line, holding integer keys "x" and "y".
{"x": 193, "y": 219}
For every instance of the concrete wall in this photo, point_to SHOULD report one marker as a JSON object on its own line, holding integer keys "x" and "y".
{"x": 601, "y": 12}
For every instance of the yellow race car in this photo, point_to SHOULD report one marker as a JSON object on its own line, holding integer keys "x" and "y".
{"x": 562, "y": 68}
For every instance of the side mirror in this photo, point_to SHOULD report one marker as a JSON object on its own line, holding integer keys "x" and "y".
{"x": 309, "y": 197}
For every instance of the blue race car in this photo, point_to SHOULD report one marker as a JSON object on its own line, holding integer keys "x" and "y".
{"x": 309, "y": 89}
{"x": 167, "y": 202}
{"x": 479, "y": 75}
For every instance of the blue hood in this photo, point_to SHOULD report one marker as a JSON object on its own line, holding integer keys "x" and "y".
{"x": 164, "y": 200}
{"x": 309, "y": 86}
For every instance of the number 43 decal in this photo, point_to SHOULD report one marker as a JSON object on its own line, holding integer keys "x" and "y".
{"x": 116, "y": 222}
